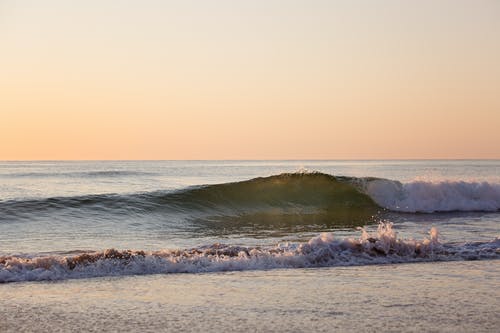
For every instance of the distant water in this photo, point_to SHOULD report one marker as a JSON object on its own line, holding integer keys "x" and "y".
{"x": 62, "y": 220}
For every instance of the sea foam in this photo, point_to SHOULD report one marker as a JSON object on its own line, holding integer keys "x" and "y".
{"x": 429, "y": 197}
{"x": 381, "y": 247}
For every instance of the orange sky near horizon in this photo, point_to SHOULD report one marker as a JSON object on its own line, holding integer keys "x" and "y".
{"x": 249, "y": 79}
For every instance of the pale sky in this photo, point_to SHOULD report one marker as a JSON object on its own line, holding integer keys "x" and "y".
{"x": 249, "y": 79}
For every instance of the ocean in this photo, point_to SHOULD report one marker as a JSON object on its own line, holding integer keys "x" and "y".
{"x": 409, "y": 245}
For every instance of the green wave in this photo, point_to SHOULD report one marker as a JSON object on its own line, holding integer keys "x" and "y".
{"x": 289, "y": 198}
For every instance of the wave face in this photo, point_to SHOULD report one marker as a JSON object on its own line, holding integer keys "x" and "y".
{"x": 383, "y": 247}
{"x": 428, "y": 197}
{"x": 290, "y": 198}
{"x": 302, "y": 197}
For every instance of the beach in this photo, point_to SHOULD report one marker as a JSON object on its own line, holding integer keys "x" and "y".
{"x": 430, "y": 297}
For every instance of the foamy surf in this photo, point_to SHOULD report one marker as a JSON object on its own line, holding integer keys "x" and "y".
{"x": 381, "y": 247}
{"x": 430, "y": 197}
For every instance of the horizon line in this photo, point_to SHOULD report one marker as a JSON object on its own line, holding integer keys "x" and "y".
{"x": 255, "y": 160}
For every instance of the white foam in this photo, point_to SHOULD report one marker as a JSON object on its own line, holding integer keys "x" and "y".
{"x": 382, "y": 247}
{"x": 428, "y": 197}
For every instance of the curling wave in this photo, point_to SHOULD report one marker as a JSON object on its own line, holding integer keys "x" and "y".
{"x": 311, "y": 197}
{"x": 303, "y": 197}
{"x": 383, "y": 247}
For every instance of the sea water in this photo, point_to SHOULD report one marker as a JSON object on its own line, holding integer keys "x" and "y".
{"x": 261, "y": 245}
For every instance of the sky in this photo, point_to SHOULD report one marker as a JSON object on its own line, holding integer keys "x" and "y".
{"x": 253, "y": 79}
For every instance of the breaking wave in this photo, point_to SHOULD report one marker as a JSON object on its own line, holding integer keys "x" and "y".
{"x": 382, "y": 247}
{"x": 312, "y": 196}
{"x": 430, "y": 197}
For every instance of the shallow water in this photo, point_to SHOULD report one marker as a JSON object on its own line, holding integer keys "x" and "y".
{"x": 429, "y": 297}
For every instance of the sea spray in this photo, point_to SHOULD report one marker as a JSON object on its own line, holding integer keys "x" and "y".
{"x": 381, "y": 247}
{"x": 430, "y": 197}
